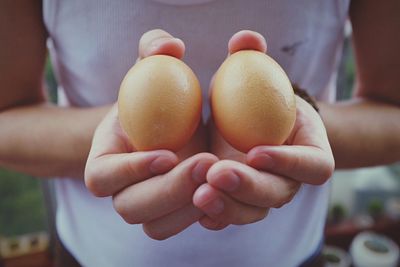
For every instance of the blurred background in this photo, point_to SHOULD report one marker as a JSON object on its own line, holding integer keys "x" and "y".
{"x": 361, "y": 200}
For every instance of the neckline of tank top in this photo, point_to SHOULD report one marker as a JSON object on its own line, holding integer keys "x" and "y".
{"x": 183, "y": 2}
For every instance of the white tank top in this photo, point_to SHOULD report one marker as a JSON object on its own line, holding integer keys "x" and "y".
{"x": 94, "y": 42}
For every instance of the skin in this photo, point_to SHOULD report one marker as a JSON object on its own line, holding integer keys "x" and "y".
{"x": 36, "y": 137}
{"x": 218, "y": 188}
{"x": 364, "y": 131}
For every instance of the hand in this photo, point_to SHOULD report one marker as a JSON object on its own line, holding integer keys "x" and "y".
{"x": 242, "y": 187}
{"x": 152, "y": 188}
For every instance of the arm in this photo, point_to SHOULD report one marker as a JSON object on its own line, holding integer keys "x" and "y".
{"x": 365, "y": 130}
{"x": 36, "y": 137}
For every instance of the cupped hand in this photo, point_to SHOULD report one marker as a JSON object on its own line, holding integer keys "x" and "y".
{"x": 153, "y": 188}
{"x": 241, "y": 188}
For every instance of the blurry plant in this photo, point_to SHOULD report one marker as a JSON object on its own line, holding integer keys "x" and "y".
{"x": 337, "y": 213}
{"x": 346, "y": 73}
{"x": 21, "y": 204}
{"x": 331, "y": 258}
{"x": 375, "y": 208}
{"x": 51, "y": 82}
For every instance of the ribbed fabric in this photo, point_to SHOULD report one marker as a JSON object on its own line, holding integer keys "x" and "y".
{"x": 94, "y": 42}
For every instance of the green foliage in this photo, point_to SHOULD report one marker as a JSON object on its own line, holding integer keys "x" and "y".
{"x": 375, "y": 207}
{"x": 21, "y": 204}
{"x": 349, "y": 75}
{"x": 331, "y": 258}
{"x": 346, "y": 72}
{"x": 50, "y": 82}
{"x": 337, "y": 213}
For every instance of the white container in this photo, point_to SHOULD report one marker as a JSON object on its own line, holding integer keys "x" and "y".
{"x": 373, "y": 250}
{"x": 339, "y": 257}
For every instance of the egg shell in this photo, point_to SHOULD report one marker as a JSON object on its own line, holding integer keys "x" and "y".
{"x": 252, "y": 101}
{"x": 159, "y": 103}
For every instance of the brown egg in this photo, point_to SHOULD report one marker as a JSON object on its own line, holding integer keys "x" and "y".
{"x": 252, "y": 101}
{"x": 159, "y": 103}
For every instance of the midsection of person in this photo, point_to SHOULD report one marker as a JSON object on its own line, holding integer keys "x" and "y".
{"x": 94, "y": 43}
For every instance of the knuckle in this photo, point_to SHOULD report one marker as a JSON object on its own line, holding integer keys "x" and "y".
{"x": 174, "y": 191}
{"x": 94, "y": 181}
{"x": 222, "y": 164}
{"x": 223, "y": 218}
{"x": 293, "y": 188}
{"x": 176, "y": 197}
{"x": 279, "y": 204}
{"x": 266, "y": 198}
{"x": 261, "y": 215}
{"x": 133, "y": 169}
{"x": 294, "y": 164}
{"x": 327, "y": 169}
{"x": 252, "y": 216}
{"x": 283, "y": 197}
{"x": 122, "y": 207}
{"x": 215, "y": 225}
{"x": 284, "y": 200}
{"x": 154, "y": 233}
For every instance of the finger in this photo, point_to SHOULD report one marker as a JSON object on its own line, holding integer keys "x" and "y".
{"x": 250, "y": 186}
{"x": 225, "y": 210}
{"x": 111, "y": 166}
{"x": 172, "y": 223}
{"x": 163, "y": 194}
{"x": 309, "y": 129}
{"x": 109, "y": 138}
{"x": 220, "y": 147}
{"x": 108, "y": 174}
{"x": 243, "y": 40}
{"x": 210, "y": 224}
{"x": 247, "y": 40}
{"x": 308, "y": 159}
{"x": 159, "y": 42}
{"x": 306, "y": 164}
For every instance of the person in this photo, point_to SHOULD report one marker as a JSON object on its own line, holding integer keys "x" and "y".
{"x": 266, "y": 207}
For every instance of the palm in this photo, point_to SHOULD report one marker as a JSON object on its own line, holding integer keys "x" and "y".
{"x": 117, "y": 140}
{"x": 221, "y": 148}
{"x": 304, "y": 133}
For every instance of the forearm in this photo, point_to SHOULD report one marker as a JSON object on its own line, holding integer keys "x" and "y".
{"x": 47, "y": 141}
{"x": 362, "y": 132}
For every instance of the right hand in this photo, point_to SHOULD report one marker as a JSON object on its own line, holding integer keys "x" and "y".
{"x": 241, "y": 188}
{"x": 153, "y": 188}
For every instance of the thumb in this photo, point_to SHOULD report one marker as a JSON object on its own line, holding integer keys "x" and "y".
{"x": 247, "y": 40}
{"x": 307, "y": 164}
{"x": 159, "y": 42}
{"x": 243, "y": 40}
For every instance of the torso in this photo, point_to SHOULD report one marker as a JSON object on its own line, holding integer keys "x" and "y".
{"x": 93, "y": 44}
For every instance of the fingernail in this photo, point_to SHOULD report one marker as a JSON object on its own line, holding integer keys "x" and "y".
{"x": 227, "y": 181}
{"x": 156, "y": 43}
{"x": 161, "y": 164}
{"x": 152, "y": 46}
{"x": 263, "y": 161}
{"x": 199, "y": 172}
{"x": 214, "y": 207}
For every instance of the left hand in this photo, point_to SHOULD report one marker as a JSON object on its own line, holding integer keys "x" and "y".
{"x": 241, "y": 188}
{"x": 152, "y": 188}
